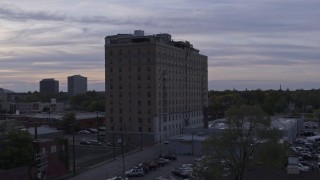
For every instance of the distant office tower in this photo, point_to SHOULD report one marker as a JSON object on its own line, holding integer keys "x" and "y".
{"x": 77, "y": 85}
{"x": 49, "y": 86}
{"x": 154, "y": 86}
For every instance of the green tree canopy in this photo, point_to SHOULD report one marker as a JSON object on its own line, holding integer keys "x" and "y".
{"x": 17, "y": 150}
{"x": 247, "y": 128}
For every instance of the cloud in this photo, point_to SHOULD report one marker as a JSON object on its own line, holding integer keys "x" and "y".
{"x": 242, "y": 38}
{"x": 17, "y": 14}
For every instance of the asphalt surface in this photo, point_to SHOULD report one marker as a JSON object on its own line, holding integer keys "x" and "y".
{"x": 111, "y": 168}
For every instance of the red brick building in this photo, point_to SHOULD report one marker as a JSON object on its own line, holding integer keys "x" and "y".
{"x": 52, "y": 157}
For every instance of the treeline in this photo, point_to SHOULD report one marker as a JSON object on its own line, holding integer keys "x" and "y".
{"x": 90, "y": 101}
{"x": 270, "y": 101}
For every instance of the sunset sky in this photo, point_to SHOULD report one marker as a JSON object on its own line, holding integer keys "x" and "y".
{"x": 249, "y": 43}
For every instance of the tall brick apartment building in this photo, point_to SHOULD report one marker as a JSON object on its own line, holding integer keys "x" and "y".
{"x": 154, "y": 87}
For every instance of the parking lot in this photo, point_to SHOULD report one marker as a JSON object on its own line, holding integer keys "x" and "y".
{"x": 306, "y": 148}
{"x": 165, "y": 171}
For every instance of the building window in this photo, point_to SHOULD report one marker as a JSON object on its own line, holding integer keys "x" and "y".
{"x": 53, "y": 149}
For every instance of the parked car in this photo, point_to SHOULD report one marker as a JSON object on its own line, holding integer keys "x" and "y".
{"x": 187, "y": 165}
{"x": 180, "y": 173}
{"x": 102, "y": 128}
{"x": 307, "y": 133}
{"x": 305, "y": 163}
{"x": 300, "y": 141}
{"x": 95, "y": 142}
{"x": 162, "y": 161}
{"x": 110, "y": 144}
{"x": 84, "y": 132}
{"x": 135, "y": 172}
{"x": 85, "y": 142}
{"x": 303, "y": 168}
{"x": 92, "y": 130}
{"x": 152, "y": 165}
{"x": 144, "y": 167}
{"x": 118, "y": 178}
{"x": 306, "y": 156}
{"x": 169, "y": 156}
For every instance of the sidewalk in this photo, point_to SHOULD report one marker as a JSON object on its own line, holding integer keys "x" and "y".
{"x": 112, "y": 168}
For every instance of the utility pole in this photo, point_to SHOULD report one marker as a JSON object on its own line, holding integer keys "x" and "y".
{"x": 160, "y": 146}
{"x": 192, "y": 144}
{"x": 113, "y": 145}
{"x": 98, "y": 124}
{"x": 74, "y": 154}
{"x": 141, "y": 135}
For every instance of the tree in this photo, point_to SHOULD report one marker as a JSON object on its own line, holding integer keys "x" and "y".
{"x": 17, "y": 150}
{"x": 69, "y": 121}
{"x": 247, "y": 128}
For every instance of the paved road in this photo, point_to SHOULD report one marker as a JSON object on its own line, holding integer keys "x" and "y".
{"x": 112, "y": 168}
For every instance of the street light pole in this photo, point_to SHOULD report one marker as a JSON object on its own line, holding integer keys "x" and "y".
{"x": 141, "y": 135}
{"x": 122, "y": 154}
